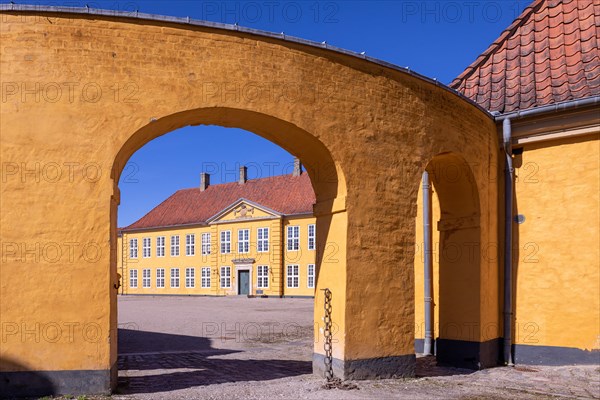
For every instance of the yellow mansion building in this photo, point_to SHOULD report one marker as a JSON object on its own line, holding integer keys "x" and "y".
{"x": 251, "y": 237}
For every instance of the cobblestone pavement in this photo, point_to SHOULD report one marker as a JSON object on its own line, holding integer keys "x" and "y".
{"x": 168, "y": 372}
{"x": 240, "y": 348}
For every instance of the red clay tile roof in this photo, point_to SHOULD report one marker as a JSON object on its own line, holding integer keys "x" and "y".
{"x": 549, "y": 54}
{"x": 285, "y": 194}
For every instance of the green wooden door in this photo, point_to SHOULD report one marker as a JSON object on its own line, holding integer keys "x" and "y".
{"x": 244, "y": 282}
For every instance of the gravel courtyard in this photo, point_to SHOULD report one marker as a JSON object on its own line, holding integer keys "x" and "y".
{"x": 242, "y": 348}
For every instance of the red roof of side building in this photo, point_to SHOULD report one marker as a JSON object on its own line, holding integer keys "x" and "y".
{"x": 549, "y": 54}
{"x": 286, "y": 194}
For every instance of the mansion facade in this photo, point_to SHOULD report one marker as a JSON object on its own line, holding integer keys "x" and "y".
{"x": 251, "y": 237}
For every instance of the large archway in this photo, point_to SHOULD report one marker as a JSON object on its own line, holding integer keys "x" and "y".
{"x": 364, "y": 129}
{"x": 259, "y": 336}
{"x": 327, "y": 179}
{"x": 463, "y": 328}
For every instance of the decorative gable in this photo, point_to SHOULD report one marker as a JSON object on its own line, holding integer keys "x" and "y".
{"x": 243, "y": 210}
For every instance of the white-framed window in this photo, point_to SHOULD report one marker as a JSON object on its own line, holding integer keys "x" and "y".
{"x": 293, "y": 238}
{"x": 205, "y": 243}
{"x": 263, "y": 276}
{"x": 160, "y": 277}
{"x": 133, "y": 278}
{"x": 205, "y": 278}
{"x": 190, "y": 277}
{"x": 160, "y": 246}
{"x": 311, "y": 237}
{"x": 146, "y": 278}
{"x": 133, "y": 248}
{"x": 225, "y": 242}
{"x": 190, "y": 244}
{"x": 310, "y": 282}
{"x": 174, "y": 277}
{"x": 225, "y": 277}
{"x": 262, "y": 238}
{"x": 293, "y": 278}
{"x": 243, "y": 241}
{"x": 175, "y": 246}
{"x": 146, "y": 247}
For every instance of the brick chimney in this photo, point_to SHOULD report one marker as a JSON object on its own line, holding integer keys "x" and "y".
{"x": 243, "y": 175}
{"x": 204, "y": 181}
{"x": 297, "y": 167}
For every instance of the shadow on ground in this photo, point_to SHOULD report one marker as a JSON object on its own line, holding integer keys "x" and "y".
{"x": 151, "y": 362}
{"x": 136, "y": 341}
{"x": 427, "y": 367}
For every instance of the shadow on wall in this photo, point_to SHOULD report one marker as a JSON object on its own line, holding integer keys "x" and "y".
{"x": 181, "y": 362}
{"x": 17, "y": 381}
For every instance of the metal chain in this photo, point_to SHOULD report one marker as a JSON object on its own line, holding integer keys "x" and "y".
{"x": 332, "y": 382}
{"x": 328, "y": 336}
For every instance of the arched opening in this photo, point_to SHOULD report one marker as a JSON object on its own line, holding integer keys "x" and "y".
{"x": 326, "y": 177}
{"x": 243, "y": 276}
{"x": 354, "y": 121}
{"x": 448, "y": 266}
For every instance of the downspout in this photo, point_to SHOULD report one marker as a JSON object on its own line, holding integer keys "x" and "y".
{"x": 509, "y": 193}
{"x": 428, "y": 266}
{"x": 508, "y": 221}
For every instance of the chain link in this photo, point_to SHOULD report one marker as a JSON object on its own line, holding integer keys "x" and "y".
{"x": 328, "y": 336}
{"x": 332, "y": 382}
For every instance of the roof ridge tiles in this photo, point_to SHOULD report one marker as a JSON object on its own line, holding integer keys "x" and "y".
{"x": 505, "y": 34}
{"x": 550, "y": 47}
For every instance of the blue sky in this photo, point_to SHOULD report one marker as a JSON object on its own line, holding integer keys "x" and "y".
{"x": 434, "y": 38}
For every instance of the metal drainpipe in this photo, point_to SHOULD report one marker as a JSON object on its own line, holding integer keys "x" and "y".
{"x": 509, "y": 193}
{"x": 508, "y": 221}
{"x": 428, "y": 266}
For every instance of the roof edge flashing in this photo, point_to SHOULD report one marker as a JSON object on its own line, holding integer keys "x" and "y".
{"x": 547, "y": 109}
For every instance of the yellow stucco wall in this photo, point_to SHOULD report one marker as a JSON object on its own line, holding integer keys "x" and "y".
{"x": 364, "y": 132}
{"x": 461, "y": 260}
{"x": 556, "y": 252}
{"x": 556, "y": 249}
{"x": 278, "y": 285}
{"x": 419, "y": 266}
